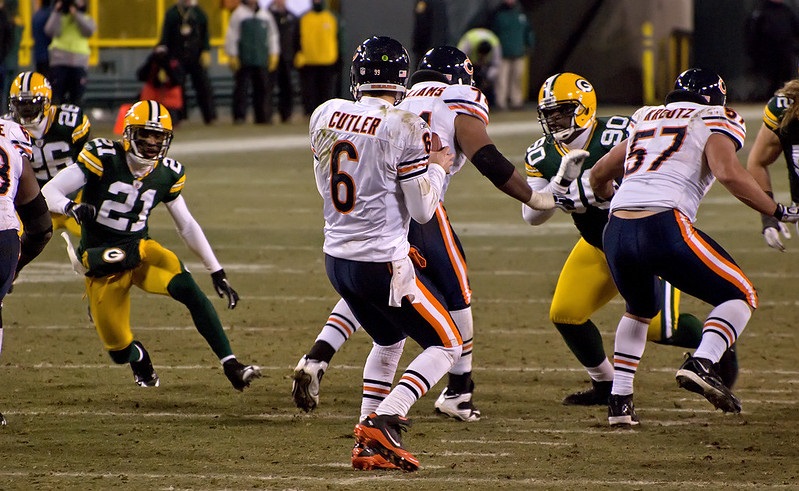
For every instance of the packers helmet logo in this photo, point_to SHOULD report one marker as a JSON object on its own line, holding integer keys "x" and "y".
{"x": 113, "y": 255}
{"x": 584, "y": 85}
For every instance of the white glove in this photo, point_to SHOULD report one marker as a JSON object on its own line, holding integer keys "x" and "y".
{"x": 772, "y": 236}
{"x": 571, "y": 165}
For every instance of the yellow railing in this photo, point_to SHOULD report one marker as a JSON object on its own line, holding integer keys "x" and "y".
{"x": 113, "y": 12}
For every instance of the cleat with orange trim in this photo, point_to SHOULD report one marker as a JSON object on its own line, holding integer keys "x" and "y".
{"x": 383, "y": 433}
{"x": 366, "y": 459}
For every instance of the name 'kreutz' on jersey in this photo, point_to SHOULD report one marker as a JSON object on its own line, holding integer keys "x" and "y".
{"x": 673, "y": 155}
{"x": 374, "y": 178}
{"x": 122, "y": 181}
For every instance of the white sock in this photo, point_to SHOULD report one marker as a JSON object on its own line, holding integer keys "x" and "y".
{"x": 378, "y": 375}
{"x": 723, "y": 326}
{"x": 340, "y": 325}
{"x": 629, "y": 346}
{"x": 423, "y": 373}
{"x": 602, "y": 372}
{"x": 463, "y": 319}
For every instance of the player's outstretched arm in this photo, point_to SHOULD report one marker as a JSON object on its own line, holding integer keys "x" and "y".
{"x": 481, "y": 151}
{"x": 194, "y": 238}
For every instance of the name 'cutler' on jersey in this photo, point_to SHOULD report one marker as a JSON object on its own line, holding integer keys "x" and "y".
{"x": 362, "y": 151}
{"x": 664, "y": 166}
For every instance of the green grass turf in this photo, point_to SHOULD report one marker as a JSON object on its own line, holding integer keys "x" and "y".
{"x": 76, "y": 421}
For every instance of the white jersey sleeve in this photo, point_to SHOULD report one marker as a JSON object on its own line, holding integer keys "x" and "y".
{"x": 665, "y": 166}
{"x": 10, "y": 173}
{"x": 18, "y": 136}
{"x": 365, "y": 153}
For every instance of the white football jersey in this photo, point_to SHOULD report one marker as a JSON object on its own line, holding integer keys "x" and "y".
{"x": 10, "y": 172}
{"x": 362, "y": 151}
{"x": 438, "y": 104}
{"x": 664, "y": 167}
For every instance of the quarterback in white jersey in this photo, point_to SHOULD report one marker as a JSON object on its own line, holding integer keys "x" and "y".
{"x": 377, "y": 167}
{"x": 668, "y": 163}
{"x": 441, "y": 92}
{"x": 19, "y": 196}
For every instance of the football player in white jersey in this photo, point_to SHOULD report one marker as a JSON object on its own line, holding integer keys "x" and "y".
{"x": 441, "y": 92}
{"x": 673, "y": 155}
{"x": 377, "y": 167}
{"x": 20, "y": 200}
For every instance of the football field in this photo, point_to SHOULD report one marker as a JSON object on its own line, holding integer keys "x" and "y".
{"x": 77, "y": 421}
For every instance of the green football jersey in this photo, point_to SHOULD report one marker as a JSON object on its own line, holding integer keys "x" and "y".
{"x": 63, "y": 140}
{"x": 773, "y": 115}
{"x": 542, "y": 160}
{"x": 123, "y": 201}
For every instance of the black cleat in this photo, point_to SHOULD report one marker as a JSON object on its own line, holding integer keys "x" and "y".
{"x": 143, "y": 372}
{"x": 727, "y": 367}
{"x": 597, "y": 395}
{"x": 698, "y": 375}
{"x": 240, "y": 375}
{"x": 621, "y": 412}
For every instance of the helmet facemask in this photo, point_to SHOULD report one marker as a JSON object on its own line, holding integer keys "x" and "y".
{"x": 29, "y": 110}
{"x": 559, "y": 121}
{"x": 148, "y": 145}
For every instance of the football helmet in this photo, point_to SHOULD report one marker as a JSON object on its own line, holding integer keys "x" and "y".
{"x": 29, "y": 98}
{"x": 705, "y": 83}
{"x": 380, "y": 63}
{"x": 566, "y": 106}
{"x": 147, "y": 133}
{"x": 451, "y": 62}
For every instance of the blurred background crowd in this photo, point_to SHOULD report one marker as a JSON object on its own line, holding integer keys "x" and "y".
{"x": 274, "y": 61}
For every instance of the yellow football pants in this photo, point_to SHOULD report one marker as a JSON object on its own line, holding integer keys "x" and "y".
{"x": 585, "y": 285}
{"x": 109, "y": 296}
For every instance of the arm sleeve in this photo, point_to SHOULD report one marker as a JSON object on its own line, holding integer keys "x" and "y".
{"x": 64, "y": 183}
{"x": 86, "y": 24}
{"x": 53, "y": 25}
{"x": 274, "y": 35}
{"x": 536, "y": 217}
{"x": 232, "y": 35}
{"x": 191, "y": 233}
{"x": 422, "y": 194}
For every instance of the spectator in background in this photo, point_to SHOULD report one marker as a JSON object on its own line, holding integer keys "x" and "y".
{"x": 185, "y": 34}
{"x": 287, "y": 30}
{"x": 253, "y": 46}
{"x": 70, "y": 29}
{"x": 430, "y": 27}
{"x": 516, "y": 37}
{"x": 163, "y": 79}
{"x": 483, "y": 48}
{"x": 771, "y": 34}
{"x": 318, "y": 56}
{"x": 11, "y": 58}
{"x": 41, "y": 41}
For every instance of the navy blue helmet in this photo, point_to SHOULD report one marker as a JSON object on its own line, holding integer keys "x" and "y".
{"x": 380, "y": 63}
{"x": 705, "y": 83}
{"x": 451, "y": 62}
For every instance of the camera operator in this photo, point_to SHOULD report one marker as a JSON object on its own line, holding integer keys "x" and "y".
{"x": 70, "y": 27}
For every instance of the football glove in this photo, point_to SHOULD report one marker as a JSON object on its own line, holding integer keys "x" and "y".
{"x": 223, "y": 288}
{"x": 571, "y": 164}
{"x": 81, "y": 212}
{"x": 787, "y": 213}
{"x": 772, "y": 236}
{"x": 564, "y": 203}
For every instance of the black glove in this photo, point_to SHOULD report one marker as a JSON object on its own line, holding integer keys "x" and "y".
{"x": 223, "y": 288}
{"x": 81, "y": 212}
{"x": 787, "y": 213}
{"x": 564, "y": 203}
